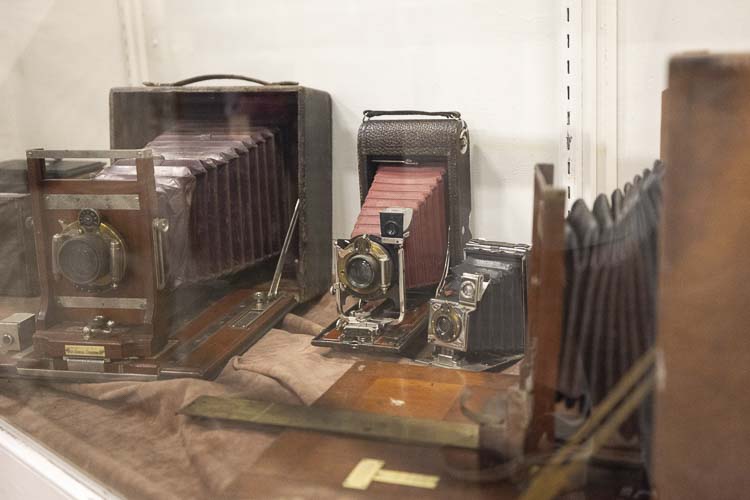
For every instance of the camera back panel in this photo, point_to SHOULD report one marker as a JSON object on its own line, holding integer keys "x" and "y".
{"x": 301, "y": 120}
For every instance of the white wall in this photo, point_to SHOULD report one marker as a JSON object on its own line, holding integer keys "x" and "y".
{"x": 493, "y": 61}
{"x": 648, "y": 33}
{"x": 497, "y": 62}
{"x": 58, "y": 60}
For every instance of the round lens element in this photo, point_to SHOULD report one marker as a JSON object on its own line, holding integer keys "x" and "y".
{"x": 84, "y": 259}
{"x": 360, "y": 271}
{"x": 390, "y": 229}
{"x": 446, "y": 326}
{"x": 467, "y": 290}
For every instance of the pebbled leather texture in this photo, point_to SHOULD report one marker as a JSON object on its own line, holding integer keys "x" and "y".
{"x": 423, "y": 138}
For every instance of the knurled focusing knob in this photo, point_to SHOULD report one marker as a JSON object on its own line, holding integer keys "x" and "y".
{"x": 88, "y": 218}
{"x": 84, "y": 259}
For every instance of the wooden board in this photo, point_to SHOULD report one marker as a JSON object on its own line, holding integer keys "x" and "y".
{"x": 702, "y": 432}
{"x": 546, "y": 289}
{"x": 321, "y": 462}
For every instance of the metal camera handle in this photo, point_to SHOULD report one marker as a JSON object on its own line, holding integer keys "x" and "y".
{"x": 370, "y": 113}
{"x": 216, "y": 76}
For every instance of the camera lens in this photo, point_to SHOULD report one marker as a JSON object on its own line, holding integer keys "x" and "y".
{"x": 391, "y": 229}
{"x": 467, "y": 290}
{"x": 360, "y": 271}
{"x": 446, "y": 328}
{"x": 84, "y": 259}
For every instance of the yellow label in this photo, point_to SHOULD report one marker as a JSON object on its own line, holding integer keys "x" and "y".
{"x": 91, "y": 351}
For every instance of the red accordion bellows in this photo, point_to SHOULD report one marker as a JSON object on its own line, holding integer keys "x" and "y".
{"x": 423, "y": 190}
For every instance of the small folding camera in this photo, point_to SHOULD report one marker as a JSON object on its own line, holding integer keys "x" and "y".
{"x": 391, "y": 264}
{"x": 477, "y": 319}
{"x": 415, "y": 200}
{"x": 372, "y": 268}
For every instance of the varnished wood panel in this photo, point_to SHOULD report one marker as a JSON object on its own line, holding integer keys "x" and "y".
{"x": 701, "y": 443}
{"x": 545, "y": 297}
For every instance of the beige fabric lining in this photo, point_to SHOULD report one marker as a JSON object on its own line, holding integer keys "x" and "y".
{"x": 128, "y": 436}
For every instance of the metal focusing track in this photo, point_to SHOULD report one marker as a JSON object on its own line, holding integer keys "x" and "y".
{"x": 243, "y": 315}
{"x": 252, "y": 314}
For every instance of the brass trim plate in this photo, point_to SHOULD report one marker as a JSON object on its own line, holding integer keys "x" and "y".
{"x": 97, "y": 201}
{"x": 87, "y": 351}
{"x": 102, "y": 302}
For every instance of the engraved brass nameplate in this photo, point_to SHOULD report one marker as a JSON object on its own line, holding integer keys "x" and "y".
{"x": 90, "y": 351}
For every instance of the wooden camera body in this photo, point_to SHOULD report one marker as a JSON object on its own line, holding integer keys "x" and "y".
{"x": 132, "y": 287}
{"x": 126, "y": 294}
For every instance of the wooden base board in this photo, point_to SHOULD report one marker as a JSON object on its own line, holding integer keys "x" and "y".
{"x": 199, "y": 349}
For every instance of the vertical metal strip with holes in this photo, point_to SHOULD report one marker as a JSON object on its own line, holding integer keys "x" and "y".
{"x": 570, "y": 156}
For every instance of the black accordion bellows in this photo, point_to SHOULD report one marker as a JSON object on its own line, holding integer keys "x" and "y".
{"x": 225, "y": 194}
{"x": 499, "y": 324}
{"x": 611, "y": 289}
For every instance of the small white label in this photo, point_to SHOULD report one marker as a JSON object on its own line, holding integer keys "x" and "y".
{"x": 407, "y": 479}
{"x": 370, "y": 469}
{"x": 363, "y": 473}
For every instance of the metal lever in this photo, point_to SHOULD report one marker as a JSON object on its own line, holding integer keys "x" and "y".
{"x": 401, "y": 286}
{"x": 57, "y": 241}
{"x": 117, "y": 261}
{"x": 159, "y": 228}
{"x": 446, "y": 266}
{"x": 274, "y": 290}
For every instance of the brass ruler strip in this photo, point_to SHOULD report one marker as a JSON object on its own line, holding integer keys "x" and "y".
{"x": 346, "y": 422}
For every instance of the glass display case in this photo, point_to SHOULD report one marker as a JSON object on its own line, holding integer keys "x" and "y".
{"x": 356, "y": 250}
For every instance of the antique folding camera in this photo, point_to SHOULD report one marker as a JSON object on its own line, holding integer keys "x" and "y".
{"x": 477, "y": 319}
{"x": 414, "y": 182}
{"x": 155, "y": 267}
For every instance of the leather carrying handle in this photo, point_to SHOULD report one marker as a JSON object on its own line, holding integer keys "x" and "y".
{"x": 411, "y": 112}
{"x": 216, "y": 76}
